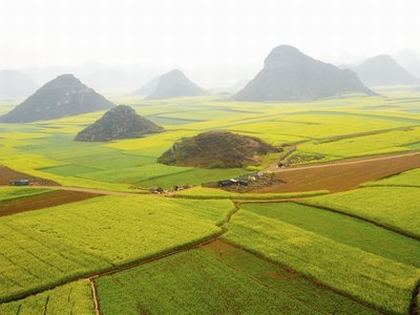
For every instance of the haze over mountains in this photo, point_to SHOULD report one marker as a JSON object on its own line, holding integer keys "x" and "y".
{"x": 288, "y": 74}
{"x": 15, "y": 84}
{"x": 410, "y": 60}
{"x": 63, "y": 96}
{"x": 384, "y": 70}
{"x": 171, "y": 84}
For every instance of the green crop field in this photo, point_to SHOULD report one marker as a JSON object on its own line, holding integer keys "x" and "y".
{"x": 11, "y": 193}
{"x": 382, "y": 282}
{"x": 337, "y": 129}
{"x": 213, "y": 193}
{"x": 39, "y": 249}
{"x": 316, "y": 252}
{"x": 409, "y": 179}
{"x": 71, "y": 298}
{"x": 234, "y": 281}
{"x": 393, "y": 207}
{"x": 164, "y": 157}
{"x": 347, "y": 230}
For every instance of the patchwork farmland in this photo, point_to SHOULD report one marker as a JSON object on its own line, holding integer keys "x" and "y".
{"x": 336, "y": 231}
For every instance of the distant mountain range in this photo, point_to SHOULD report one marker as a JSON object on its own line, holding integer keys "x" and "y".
{"x": 288, "y": 74}
{"x": 148, "y": 88}
{"x": 171, "y": 84}
{"x": 15, "y": 84}
{"x": 384, "y": 70}
{"x": 410, "y": 60}
{"x": 63, "y": 96}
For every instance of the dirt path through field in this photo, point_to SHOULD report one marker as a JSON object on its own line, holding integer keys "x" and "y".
{"x": 340, "y": 176}
{"x": 353, "y": 161}
{"x": 45, "y": 200}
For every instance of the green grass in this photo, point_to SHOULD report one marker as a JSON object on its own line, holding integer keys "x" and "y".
{"x": 229, "y": 281}
{"x": 387, "y": 142}
{"x": 10, "y": 193}
{"x": 137, "y": 174}
{"x": 69, "y": 170}
{"x": 373, "y": 279}
{"x": 214, "y": 193}
{"x": 41, "y": 249}
{"x": 71, "y": 298}
{"x": 393, "y": 207}
{"x": 409, "y": 178}
{"x": 343, "y": 229}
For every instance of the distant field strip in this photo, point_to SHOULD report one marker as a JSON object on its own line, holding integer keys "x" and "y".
{"x": 213, "y": 193}
{"x": 217, "y": 279}
{"x": 379, "y": 281}
{"x": 408, "y": 179}
{"x": 13, "y": 193}
{"x": 42, "y": 200}
{"x": 393, "y": 207}
{"x": 382, "y": 143}
{"x": 40, "y": 249}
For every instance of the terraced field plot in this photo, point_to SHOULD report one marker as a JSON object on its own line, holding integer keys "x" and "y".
{"x": 40, "y": 249}
{"x": 393, "y": 207}
{"x": 344, "y": 229}
{"x": 21, "y": 200}
{"x": 409, "y": 178}
{"x": 71, "y": 298}
{"x": 13, "y": 193}
{"x": 387, "y": 142}
{"x": 374, "y": 279}
{"x": 217, "y": 279}
{"x": 340, "y": 176}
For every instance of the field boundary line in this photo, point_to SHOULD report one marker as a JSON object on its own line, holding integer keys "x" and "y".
{"x": 151, "y": 259}
{"x": 389, "y": 185}
{"x": 309, "y": 278}
{"x": 204, "y": 241}
{"x": 355, "y": 216}
{"x": 365, "y": 133}
{"x": 94, "y": 296}
{"x": 414, "y": 308}
{"x": 134, "y": 263}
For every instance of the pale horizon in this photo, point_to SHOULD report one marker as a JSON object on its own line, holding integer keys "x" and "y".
{"x": 210, "y": 40}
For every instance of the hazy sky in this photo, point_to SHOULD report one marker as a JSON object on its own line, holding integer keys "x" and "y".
{"x": 196, "y": 32}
